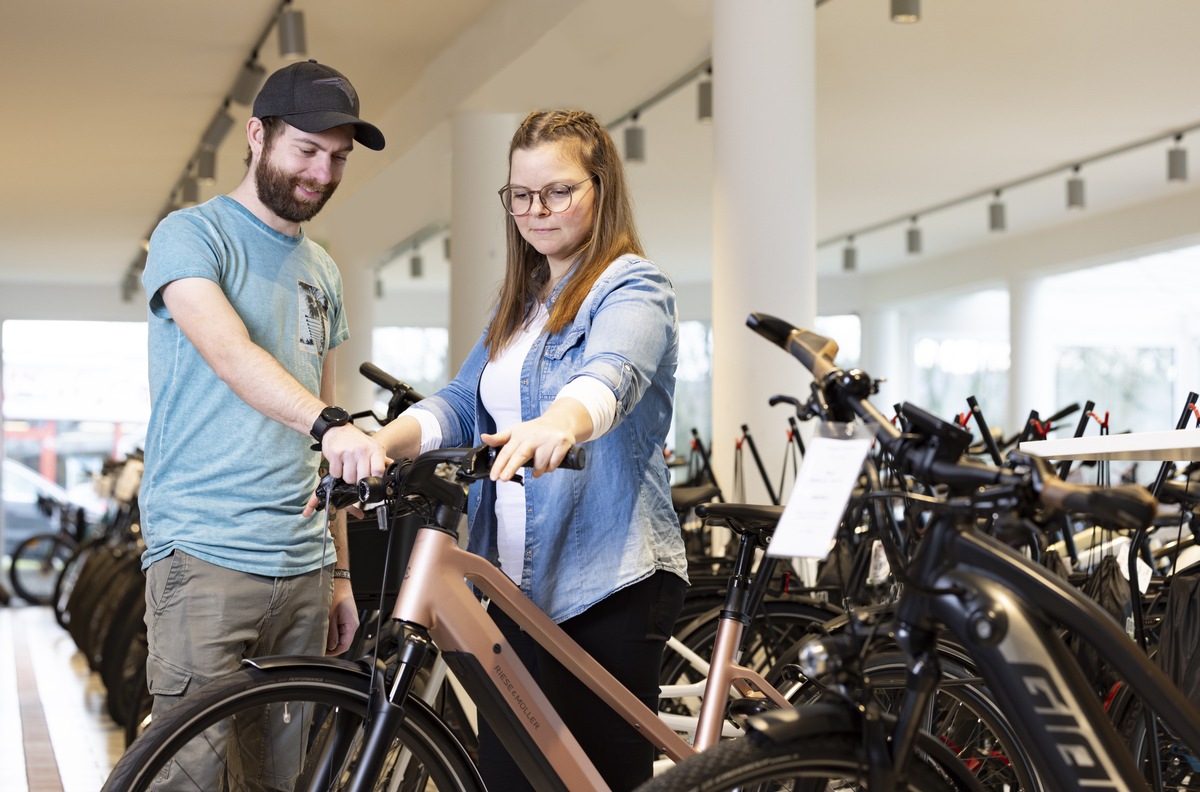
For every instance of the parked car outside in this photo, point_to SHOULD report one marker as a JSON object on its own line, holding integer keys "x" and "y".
{"x": 21, "y": 486}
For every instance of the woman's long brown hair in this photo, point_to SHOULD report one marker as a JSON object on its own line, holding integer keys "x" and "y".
{"x": 580, "y": 137}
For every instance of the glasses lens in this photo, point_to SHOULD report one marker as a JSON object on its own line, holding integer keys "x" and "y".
{"x": 557, "y": 197}
{"x": 516, "y": 200}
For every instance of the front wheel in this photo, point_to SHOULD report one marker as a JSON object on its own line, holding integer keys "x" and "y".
{"x": 814, "y": 763}
{"x": 36, "y": 564}
{"x": 287, "y": 727}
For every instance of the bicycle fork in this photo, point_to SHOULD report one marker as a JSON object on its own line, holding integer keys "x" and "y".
{"x": 386, "y": 712}
{"x": 923, "y": 679}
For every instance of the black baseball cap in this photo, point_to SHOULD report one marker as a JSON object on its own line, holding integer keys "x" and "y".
{"x": 314, "y": 97}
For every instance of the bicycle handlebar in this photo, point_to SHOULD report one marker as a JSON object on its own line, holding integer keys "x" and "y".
{"x": 403, "y": 394}
{"x": 934, "y": 454}
{"x": 409, "y": 475}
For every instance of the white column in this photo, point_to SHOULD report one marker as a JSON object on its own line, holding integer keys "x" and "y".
{"x": 1031, "y": 373}
{"x": 479, "y": 167}
{"x": 764, "y": 245}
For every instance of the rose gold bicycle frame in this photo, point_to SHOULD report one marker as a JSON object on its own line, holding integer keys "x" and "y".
{"x": 434, "y": 596}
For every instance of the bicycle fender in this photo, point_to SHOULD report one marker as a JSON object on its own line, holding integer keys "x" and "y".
{"x": 306, "y": 661}
{"x": 798, "y": 723}
{"x": 786, "y": 725}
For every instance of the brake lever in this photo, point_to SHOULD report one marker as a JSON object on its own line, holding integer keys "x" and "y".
{"x": 336, "y": 492}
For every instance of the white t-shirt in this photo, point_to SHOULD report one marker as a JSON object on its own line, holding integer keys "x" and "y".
{"x": 500, "y": 393}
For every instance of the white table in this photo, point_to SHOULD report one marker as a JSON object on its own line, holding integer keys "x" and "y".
{"x": 1176, "y": 446}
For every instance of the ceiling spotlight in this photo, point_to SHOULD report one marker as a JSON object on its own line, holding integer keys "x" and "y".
{"x": 415, "y": 267}
{"x": 849, "y": 256}
{"x": 249, "y": 80}
{"x": 130, "y": 284}
{"x": 914, "y": 237}
{"x": 1075, "y": 190}
{"x": 291, "y": 34}
{"x": 446, "y": 247}
{"x": 996, "y": 214}
{"x": 206, "y": 165}
{"x": 1177, "y": 161}
{"x": 218, "y": 128}
{"x": 906, "y": 11}
{"x": 189, "y": 194}
{"x": 378, "y": 286}
{"x": 635, "y": 142}
{"x": 704, "y": 108}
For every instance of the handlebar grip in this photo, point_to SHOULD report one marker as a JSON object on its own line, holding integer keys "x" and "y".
{"x": 371, "y": 489}
{"x": 575, "y": 459}
{"x": 379, "y": 376}
{"x": 1129, "y": 506}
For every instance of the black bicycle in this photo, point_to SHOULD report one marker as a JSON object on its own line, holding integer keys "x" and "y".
{"x": 38, "y": 561}
{"x": 1004, "y": 610}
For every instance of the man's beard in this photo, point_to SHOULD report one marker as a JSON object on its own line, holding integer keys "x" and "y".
{"x": 277, "y": 191}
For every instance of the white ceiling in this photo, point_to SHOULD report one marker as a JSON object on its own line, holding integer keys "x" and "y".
{"x": 105, "y": 102}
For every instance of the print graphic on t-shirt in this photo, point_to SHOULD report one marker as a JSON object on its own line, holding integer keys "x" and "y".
{"x": 314, "y": 318}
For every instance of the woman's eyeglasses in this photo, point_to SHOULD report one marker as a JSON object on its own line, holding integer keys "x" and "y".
{"x": 555, "y": 197}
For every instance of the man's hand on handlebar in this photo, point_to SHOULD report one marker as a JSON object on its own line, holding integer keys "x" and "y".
{"x": 352, "y": 454}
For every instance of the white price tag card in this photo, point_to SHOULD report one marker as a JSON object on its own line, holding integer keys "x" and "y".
{"x": 832, "y": 463}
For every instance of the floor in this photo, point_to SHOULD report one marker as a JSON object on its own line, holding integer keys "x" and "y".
{"x": 55, "y": 735}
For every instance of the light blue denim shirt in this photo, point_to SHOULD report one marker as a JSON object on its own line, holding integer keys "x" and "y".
{"x": 590, "y": 532}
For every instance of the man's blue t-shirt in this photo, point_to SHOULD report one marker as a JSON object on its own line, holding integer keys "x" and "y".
{"x": 223, "y": 482}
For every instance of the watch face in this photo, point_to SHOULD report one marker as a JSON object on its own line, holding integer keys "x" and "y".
{"x": 329, "y": 418}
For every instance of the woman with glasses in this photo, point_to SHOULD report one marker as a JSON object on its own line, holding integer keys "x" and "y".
{"x": 582, "y": 347}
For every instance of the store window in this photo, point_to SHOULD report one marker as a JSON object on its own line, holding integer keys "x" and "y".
{"x": 74, "y": 394}
{"x": 415, "y": 355}
{"x": 949, "y": 370}
{"x": 1135, "y": 386}
{"x": 693, "y": 387}
{"x": 846, "y": 330}
{"x": 1126, "y": 338}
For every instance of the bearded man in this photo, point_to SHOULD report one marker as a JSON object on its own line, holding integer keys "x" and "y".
{"x": 245, "y": 313}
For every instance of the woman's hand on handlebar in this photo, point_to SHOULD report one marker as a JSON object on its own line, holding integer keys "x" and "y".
{"x": 540, "y": 443}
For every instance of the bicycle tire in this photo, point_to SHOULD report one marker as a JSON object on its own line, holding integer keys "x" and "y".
{"x": 964, "y": 716}
{"x": 329, "y": 699}
{"x": 1176, "y": 760}
{"x": 816, "y": 762}
{"x": 65, "y": 585}
{"x": 126, "y": 584}
{"x": 36, "y": 565}
{"x": 85, "y": 597}
{"x": 125, "y": 650}
{"x": 967, "y": 720}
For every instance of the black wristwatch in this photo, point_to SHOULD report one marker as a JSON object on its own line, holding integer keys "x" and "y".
{"x": 329, "y": 418}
